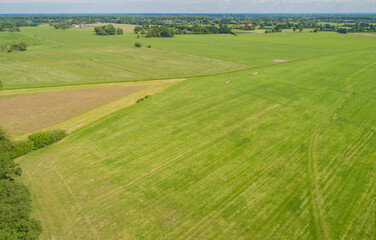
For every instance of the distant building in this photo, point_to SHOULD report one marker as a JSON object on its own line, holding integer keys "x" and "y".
{"x": 79, "y": 26}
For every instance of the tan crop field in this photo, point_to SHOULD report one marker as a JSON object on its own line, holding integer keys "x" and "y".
{"x": 30, "y": 112}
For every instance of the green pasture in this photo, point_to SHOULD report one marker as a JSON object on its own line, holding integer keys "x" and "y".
{"x": 77, "y": 56}
{"x": 282, "y": 151}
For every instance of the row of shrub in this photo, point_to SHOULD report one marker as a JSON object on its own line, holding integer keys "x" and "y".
{"x": 22, "y": 46}
{"x": 108, "y": 30}
{"x": 142, "y": 99}
{"x": 35, "y": 141}
{"x": 15, "y": 199}
{"x": 137, "y": 44}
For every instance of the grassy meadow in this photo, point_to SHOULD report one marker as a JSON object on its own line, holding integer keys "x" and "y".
{"x": 244, "y": 148}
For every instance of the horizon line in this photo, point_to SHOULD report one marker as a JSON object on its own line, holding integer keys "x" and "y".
{"x": 191, "y": 13}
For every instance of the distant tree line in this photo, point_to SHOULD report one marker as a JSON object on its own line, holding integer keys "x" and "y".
{"x": 171, "y": 30}
{"x": 203, "y": 23}
{"x": 8, "y": 26}
{"x": 13, "y": 25}
{"x": 159, "y": 19}
{"x": 108, "y": 30}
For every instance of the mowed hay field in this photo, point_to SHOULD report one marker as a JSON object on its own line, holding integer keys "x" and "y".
{"x": 282, "y": 151}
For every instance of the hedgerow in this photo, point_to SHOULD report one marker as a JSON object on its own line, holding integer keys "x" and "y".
{"x": 35, "y": 141}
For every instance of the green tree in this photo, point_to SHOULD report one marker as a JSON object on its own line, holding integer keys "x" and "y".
{"x": 9, "y": 170}
{"x": 119, "y": 31}
{"x": 110, "y": 29}
{"x": 15, "y": 200}
{"x": 22, "y": 46}
{"x": 105, "y": 30}
{"x": 15, "y": 209}
{"x": 137, "y": 29}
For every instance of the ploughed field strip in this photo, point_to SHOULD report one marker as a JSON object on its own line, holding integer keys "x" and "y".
{"x": 26, "y": 113}
{"x": 287, "y": 153}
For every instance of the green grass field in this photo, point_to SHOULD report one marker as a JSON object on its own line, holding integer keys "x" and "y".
{"x": 287, "y": 153}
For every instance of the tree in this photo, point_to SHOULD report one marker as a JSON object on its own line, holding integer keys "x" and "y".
{"x": 119, "y": 31}
{"x": 301, "y": 29}
{"x": 110, "y": 29}
{"x": 342, "y": 30}
{"x": 137, "y": 44}
{"x": 15, "y": 210}
{"x": 22, "y": 46}
{"x": 137, "y": 29}
{"x": 13, "y": 48}
{"x": 9, "y": 170}
{"x": 105, "y": 30}
{"x": 15, "y": 200}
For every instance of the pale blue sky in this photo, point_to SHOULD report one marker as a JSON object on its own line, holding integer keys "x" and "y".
{"x": 187, "y": 6}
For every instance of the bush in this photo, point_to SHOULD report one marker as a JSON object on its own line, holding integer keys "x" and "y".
{"x": 142, "y": 99}
{"x": 35, "y": 141}
{"x": 22, "y": 46}
{"x": 119, "y": 31}
{"x": 107, "y": 30}
{"x": 342, "y": 30}
{"x": 137, "y": 44}
{"x": 42, "y": 139}
{"x": 149, "y": 46}
{"x": 20, "y": 148}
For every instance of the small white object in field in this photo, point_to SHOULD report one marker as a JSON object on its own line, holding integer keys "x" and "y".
{"x": 280, "y": 61}
{"x": 228, "y": 81}
{"x": 255, "y": 73}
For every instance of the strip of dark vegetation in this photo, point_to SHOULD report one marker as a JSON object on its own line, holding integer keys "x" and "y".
{"x": 108, "y": 30}
{"x": 35, "y": 141}
{"x": 142, "y": 99}
{"x": 12, "y": 25}
{"x": 170, "y": 25}
{"x": 15, "y": 47}
{"x": 15, "y": 200}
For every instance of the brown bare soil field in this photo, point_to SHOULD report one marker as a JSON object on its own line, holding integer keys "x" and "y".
{"x": 28, "y": 113}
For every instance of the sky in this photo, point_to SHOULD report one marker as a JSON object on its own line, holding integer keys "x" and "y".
{"x": 187, "y": 6}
